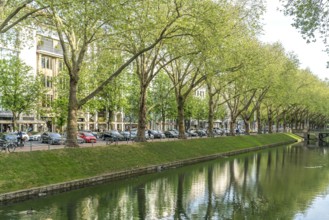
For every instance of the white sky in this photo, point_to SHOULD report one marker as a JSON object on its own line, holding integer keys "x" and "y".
{"x": 277, "y": 27}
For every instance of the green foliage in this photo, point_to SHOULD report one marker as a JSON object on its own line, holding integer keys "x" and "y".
{"x": 59, "y": 109}
{"x": 309, "y": 17}
{"x": 14, "y": 12}
{"x": 162, "y": 96}
{"x": 20, "y": 90}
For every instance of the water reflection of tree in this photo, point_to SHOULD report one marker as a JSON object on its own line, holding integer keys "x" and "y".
{"x": 141, "y": 199}
{"x": 180, "y": 212}
{"x": 209, "y": 212}
{"x": 264, "y": 185}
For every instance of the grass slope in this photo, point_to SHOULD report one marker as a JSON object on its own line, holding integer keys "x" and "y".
{"x": 25, "y": 170}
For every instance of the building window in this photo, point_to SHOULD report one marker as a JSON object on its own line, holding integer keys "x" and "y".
{"x": 47, "y": 100}
{"x": 60, "y": 65}
{"x": 46, "y": 62}
{"x": 48, "y": 81}
{"x": 200, "y": 94}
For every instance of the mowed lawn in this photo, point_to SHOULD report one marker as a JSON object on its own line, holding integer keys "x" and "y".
{"x": 23, "y": 170}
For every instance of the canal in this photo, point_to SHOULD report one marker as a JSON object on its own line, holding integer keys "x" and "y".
{"x": 288, "y": 182}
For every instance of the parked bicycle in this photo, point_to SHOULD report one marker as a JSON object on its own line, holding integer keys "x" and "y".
{"x": 8, "y": 146}
{"x": 9, "y": 142}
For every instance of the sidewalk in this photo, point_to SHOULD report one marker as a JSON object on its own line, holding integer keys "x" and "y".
{"x": 34, "y": 145}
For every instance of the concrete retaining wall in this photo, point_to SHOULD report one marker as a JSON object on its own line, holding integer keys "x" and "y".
{"x": 22, "y": 195}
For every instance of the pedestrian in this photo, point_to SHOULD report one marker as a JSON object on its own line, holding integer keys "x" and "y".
{"x": 237, "y": 131}
{"x": 20, "y": 137}
{"x": 149, "y": 133}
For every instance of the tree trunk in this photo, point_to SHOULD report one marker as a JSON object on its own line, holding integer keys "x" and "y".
{"x": 284, "y": 122}
{"x": 247, "y": 126}
{"x": 109, "y": 120}
{"x": 211, "y": 110}
{"x": 163, "y": 116}
{"x": 13, "y": 121}
{"x": 142, "y": 113}
{"x": 181, "y": 126}
{"x": 277, "y": 125}
{"x": 71, "y": 140}
{"x": 232, "y": 126}
{"x": 270, "y": 122}
{"x": 259, "y": 123}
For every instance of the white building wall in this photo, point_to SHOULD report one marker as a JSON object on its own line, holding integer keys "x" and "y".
{"x": 28, "y": 52}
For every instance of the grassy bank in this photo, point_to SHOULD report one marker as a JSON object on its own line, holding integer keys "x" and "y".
{"x": 31, "y": 169}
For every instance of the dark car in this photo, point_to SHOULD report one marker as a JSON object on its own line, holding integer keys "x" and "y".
{"x": 192, "y": 133}
{"x": 9, "y": 138}
{"x": 161, "y": 134}
{"x": 201, "y": 133}
{"x": 80, "y": 140}
{"x": 128, "y": 135}
{"x": 155, "y": 134}
{"x": 171, "y": 134}
{"x": 218, "y": 131}
{"x": 112, "y": 135}
{"x": 51, "y": 138}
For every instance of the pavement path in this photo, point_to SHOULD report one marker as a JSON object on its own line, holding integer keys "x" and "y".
{"x": 36, "y": 145}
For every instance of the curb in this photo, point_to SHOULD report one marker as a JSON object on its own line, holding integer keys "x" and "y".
{"x": 22, "y": 195}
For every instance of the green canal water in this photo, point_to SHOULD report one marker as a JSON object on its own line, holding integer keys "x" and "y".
{"x": 288, "y": 182}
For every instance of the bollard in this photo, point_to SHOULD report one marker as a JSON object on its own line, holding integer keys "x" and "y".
{"x": 31, "y": 146}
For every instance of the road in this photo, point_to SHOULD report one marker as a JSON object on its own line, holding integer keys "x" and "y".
{"x": 37, "y": 145}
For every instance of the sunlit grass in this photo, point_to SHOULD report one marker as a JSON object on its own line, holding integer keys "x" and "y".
{"x": 31, "y": 169}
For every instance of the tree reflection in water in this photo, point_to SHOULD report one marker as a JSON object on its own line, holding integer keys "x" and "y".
{"x": 260, "y": 185}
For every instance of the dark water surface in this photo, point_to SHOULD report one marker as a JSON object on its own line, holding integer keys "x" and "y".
{"x": 289, "y": 182}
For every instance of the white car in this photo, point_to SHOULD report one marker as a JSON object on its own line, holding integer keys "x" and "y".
{"x": 24, "y": 135}
{"x": 35, "y": 137}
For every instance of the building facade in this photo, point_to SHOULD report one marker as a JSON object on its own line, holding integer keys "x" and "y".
{"x": 43, "y": 53}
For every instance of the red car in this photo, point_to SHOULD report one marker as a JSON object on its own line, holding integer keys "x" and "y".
{"x": 88, "y": 137}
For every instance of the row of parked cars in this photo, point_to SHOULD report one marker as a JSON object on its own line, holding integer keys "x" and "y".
{"x": 88, "y": 136}
{"x": 130, "y": 135}
{"x": 57, "y": 138}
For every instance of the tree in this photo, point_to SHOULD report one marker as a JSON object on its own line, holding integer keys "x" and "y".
{"x": 112, "y": 99}
{"x": 85, "y": 23}
{"x": 20, "y": 91}
{"x": 150, "y": 63}
{"x": 14, "y": 12}
{"x": 163, "y": 100}
{"x": 310, "y": 17}
{"x": 186, "y": 75}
